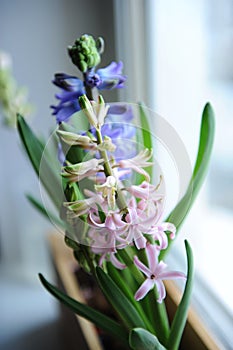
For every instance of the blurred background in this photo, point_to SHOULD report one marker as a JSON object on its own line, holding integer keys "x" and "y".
{"x": 177, "y": 56}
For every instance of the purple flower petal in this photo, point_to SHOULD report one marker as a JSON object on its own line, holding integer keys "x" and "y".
{"x": 71, "y": 88}
{"x": 152, "y": 256}
{"x": 161, "y": 290}
{"x": 64, "y": 110}
{"x": 168, "y": 275}
{"x": 142, "y": 267}
{"x": 111, "y": 76}
{"x": 139, "y": 240}
{"x": 116, "y": 262}
{"x": 146, "y": 286}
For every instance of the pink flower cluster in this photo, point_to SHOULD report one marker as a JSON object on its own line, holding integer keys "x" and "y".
{"x": 120, "y": 216}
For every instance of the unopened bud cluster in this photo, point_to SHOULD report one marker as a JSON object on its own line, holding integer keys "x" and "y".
{"x": 85, "y": 53}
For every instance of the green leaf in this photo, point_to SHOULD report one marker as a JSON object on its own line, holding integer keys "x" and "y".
{"x": 140, "y": 339}
{"x": 144, "y": 137}
{"x": 35, "y": 150}
{"x": 146, "y": 134}
{"x": 181, "y": 210}
{"x": 179, "y": 320}
{"x": 40, "y": 207}
{"x": 105, "y": 323}
{"x": 119, "y": 301}
{"x": 126, "y": 288}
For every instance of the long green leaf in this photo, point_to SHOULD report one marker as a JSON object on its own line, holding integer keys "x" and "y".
{"x": 140, "y": 339}
{"x": 144, "y": 122}
{"x": 99, "y": 319}
{"x": 181, "y": 210}
{"x": 119, "y": 301}
{"x": 179, "y": 320}
{"x": 144, "y": 137}
{"x": 40, "y": 207}
{"x": 126, "y": 288}
{"x": 35, "y": 150}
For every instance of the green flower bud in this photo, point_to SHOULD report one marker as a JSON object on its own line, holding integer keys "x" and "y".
{"x": 85, "y": 53}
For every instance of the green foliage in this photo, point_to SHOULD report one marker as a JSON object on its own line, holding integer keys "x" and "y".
{"x": 181, "y": 210}
{"x": 99, "y": 319}
{"x": 47, "y": 173}
{"x": 179, "y": 321}
{"x": 119, "y": 301}
{"x": 140, "y": 339}
{"x": 49, "y": 215}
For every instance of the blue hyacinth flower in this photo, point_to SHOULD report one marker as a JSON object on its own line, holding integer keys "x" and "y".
{"x": 71, "y": 88}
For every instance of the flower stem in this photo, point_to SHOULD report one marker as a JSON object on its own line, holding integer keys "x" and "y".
{"x": 120, "y": 200}
{"x": 160, "y": 317}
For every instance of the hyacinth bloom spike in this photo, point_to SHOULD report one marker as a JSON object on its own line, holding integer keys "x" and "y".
{"x": 155, "y": 273}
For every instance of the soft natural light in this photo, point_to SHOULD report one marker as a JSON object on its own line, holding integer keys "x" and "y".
{"x": 192, "y": 59}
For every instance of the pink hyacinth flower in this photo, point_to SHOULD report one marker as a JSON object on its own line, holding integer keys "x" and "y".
{"x": 140, "y": 221}
{"x": 138, "y": 162}
{"x": 155, "y": 273}
{"x": 145, "y": 191}
{"x": 158, "y": 232}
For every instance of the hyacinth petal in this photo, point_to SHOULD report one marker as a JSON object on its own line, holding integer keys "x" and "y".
{"x": 167, "y": 226}
{"x": 118, "y": 222}
{"x": 160, "y": 268}
{"x": 143, "y": 268}
{"x": 63, "y": 112}
{"x": 138, "y": 192}
{"x": 161, "y": 291}
{"x": 68, "y": 82}
{"x": 124, "y": 111}
{"x": 71, "y": 88}
{"x": 146, "y": 286}
{"x": 132, "y": 165}
{"x": 162, "y": 239}
{"x": 93, "y": 222}
{"x": 102, "y": 258}
{"x": 140, "y": 241}
{"x": 119, "y": 265}
{"x": 168, "y": 275}
{"x": 111, "y": 76}
{"x": 65, "y": 96}
{"x": 152, "y": 256}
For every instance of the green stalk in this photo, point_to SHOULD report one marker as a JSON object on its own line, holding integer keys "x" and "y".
{"x": 160, "y": 317}
{"x": 129, "y": 262}
{"x": 146, "y": 302}
{"x": 120, "y": 200}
